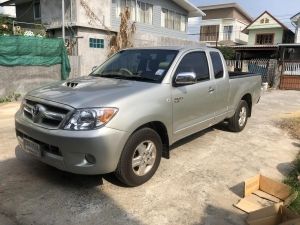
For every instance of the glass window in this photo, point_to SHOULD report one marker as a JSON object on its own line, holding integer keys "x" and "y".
{"x": 96, "y": 43}
{"x": 122, "y": 4}
{"x": 217, "y": 64}
{"x": 145, "y": 12}
{"x": 37, "y": 10}
{"x": 263, "y": 39}
{"x": 228, "y": 32}
{"x": 195, "y": 62}
{"x": 164, "y": 17}
{"x": 183, "y": 23}
{"x": 144, "y": 65}
{"x": 173, "y": 20}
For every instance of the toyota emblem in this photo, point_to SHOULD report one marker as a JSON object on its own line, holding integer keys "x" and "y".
{"x": 35, "y": 110}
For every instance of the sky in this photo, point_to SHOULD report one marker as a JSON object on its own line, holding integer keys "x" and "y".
{"x": 281, "y": 9}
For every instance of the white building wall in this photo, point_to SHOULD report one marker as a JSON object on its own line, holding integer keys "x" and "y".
{"x": 297, "y": 33}
{"x": 90, "y": 57}
{"x": 194, "y": 24}
{"x": 237, "y": 27}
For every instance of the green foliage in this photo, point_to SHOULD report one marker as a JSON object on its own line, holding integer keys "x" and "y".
{"x": 293, "y": 178}
{"x": 227, "y": 52}
{"x": 293, "y": 181}
{"x": 10, "y": 98}
{"x": 6, "y": 27}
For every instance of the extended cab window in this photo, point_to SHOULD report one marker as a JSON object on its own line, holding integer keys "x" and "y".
{"x": 217, "y": 64}
{"x": 195, "y": 62}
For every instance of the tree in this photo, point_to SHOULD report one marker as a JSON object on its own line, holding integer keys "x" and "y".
{"x": 227, "y": 52}
{"x": 123, "y": 39}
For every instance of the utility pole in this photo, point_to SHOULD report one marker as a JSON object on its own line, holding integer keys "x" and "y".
{"x": 63, "y": 19}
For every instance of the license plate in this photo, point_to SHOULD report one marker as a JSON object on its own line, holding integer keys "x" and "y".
{"x": 32, "y": 147}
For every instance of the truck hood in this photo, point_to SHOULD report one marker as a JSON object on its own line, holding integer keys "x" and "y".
{"x": 90, "y": 91}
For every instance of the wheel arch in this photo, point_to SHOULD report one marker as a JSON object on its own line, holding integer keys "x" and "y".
{"x": 248, "y": 98}
{"x": 162, "y": 131}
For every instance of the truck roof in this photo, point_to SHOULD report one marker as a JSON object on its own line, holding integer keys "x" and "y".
{"x": 178, "y": 48}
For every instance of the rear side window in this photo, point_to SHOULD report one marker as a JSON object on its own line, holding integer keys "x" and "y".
{"x": 217, "y": 64}
{"x": 194, "y": 62}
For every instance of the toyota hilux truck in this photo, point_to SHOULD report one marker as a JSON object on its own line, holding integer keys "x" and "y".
{"x": 125, "y": 115}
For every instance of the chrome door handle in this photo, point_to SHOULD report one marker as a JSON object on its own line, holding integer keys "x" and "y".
{"x": 210, "y": 89}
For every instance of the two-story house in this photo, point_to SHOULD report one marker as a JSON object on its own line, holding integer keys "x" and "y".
{"x": 223, "y": 25}
{"x": 89, "y": 23}
{"x": 265, "y": 33}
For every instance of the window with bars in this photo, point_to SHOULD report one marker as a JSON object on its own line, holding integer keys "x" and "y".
{"x": 264, "y": 39}
{"x": 96, "y": 43}
{"x": 209, "y": 33}
{"x": 173, "y": 20}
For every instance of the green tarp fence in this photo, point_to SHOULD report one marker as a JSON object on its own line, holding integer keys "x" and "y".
{"x": 34, "y": 51}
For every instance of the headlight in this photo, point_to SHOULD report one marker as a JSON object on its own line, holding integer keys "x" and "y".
{"x": 89, "y": 119}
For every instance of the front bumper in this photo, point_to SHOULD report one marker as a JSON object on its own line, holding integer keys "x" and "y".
{"x": 67, "y": 150}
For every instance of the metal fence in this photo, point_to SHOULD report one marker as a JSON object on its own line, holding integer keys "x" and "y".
{"x": 291, "y": 68}
{"x": 265, "y": 67}
{"x": 290, "y": 75}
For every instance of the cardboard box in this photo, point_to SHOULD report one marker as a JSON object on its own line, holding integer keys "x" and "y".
{"x": 266, "y": 201}
{"x": 261, "y": 192}
{"x": 276, "y": 214}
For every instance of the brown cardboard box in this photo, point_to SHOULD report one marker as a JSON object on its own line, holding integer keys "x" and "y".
{"x": 276, "y": 214}
{"x": 261, "y": 191}
{"x": 266, "y": 201}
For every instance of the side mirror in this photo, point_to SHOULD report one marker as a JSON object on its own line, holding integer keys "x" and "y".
{"x": 185, "y": 78}
{"x": 94, "y": 68}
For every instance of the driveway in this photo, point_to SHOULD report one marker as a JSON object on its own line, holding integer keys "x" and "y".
{"x": 198, "y": 185}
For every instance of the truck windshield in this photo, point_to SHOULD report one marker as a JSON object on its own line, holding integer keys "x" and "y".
{"x": 147, "y": 65}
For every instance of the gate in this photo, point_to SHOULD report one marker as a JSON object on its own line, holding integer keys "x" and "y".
{"x": 290, "y": 76}
{"x": 264, "y": 67}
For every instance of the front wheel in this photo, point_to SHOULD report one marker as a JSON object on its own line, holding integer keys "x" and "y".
{"x": 140, "y": 157}
{"x": 239, "y": 120}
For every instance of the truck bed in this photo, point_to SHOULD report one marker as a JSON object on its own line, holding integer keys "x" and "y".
{"x": 233, "y": 75}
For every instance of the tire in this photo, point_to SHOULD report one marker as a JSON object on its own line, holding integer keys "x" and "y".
{"x": 239, "y": 120}
{"x": 144, "y": 148}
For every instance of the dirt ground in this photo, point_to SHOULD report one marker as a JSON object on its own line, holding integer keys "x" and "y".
{"x": 198, "y": 185}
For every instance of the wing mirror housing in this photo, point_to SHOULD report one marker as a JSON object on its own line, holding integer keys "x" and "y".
{"x": 185, "y": 79}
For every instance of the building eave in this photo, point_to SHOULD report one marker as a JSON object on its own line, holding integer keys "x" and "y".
{"x": 284, "y": 27}
{"x": 227, "y": 5}
{"x": 295, "y": 18}
{"x": 13, "y": 2}
{"x": 191, "y": 8}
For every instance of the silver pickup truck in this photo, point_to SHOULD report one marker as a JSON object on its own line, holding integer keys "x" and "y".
{"x": 123, "y": 117}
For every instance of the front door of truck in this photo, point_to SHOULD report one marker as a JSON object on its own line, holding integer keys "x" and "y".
{"x": 193, "y": 105}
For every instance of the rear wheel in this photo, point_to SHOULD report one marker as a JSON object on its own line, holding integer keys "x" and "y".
{"x": 140, "y": 157}
{"x": 239, "y": 120}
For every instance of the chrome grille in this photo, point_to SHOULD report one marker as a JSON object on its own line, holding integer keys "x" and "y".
{"x": 44, "y": 114}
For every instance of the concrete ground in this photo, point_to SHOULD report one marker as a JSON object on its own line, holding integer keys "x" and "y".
{"x": 198, "y": 185}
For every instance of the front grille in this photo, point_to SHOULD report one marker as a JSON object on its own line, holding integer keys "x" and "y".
{"x": 43, "y": 114}
{"x": 45, "y": 147}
